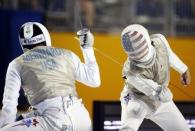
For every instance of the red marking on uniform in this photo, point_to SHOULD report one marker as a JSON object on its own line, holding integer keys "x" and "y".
{"x": 141, "y": 53}
{"x": 134, "y": 33}
{"x": 138, "y": 38}
{"x": 35, "y": 122}
{"x": 140, "y": 45}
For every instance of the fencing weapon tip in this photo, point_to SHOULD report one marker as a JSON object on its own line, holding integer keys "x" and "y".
{"x": 76, "y": 38}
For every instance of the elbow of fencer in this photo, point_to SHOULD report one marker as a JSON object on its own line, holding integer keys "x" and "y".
{"x": 95, "y": 80}
{"x": 96, "y": 83}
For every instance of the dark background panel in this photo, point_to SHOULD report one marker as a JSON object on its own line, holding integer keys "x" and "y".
{"x": 107, "y": 116}
{"x": 10, "y": 23}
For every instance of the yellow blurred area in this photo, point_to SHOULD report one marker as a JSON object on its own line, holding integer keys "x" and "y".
{"x": 111, "y": 80}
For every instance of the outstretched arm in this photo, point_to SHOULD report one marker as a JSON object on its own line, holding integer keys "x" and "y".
{"x": 11, "y": 94}
{"x": 87, "y": 72}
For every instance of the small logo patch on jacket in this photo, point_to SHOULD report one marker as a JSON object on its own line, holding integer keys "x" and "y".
{"x": 29, "y": 122}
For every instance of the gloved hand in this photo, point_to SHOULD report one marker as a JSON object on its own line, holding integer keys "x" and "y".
{"x": 155, "y": 94}
{"x": 185, "y": 78}
{"x": 165, "y": 95}
{"x": 162, "y": 94}
{"x": 86, "y": 38}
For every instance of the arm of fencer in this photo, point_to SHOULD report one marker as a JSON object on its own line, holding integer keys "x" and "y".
{"x": 11, "y": 94}
{"x": 146, "y": 86}
{"x": 87, "y": 72}
{"x": 174, "y": 60}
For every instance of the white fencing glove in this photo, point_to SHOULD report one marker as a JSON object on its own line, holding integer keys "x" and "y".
{"x": 162, "y": 94}
{"x": 155, "y": 94}
{"x": 185, "y": 78}
{"x": 165, "y": 95}
{"x": 86, "y": 38}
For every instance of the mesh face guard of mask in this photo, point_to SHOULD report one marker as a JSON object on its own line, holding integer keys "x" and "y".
{"x": 137, "y": 44}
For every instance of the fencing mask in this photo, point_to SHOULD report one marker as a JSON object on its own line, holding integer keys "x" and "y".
{"x": 137, "y": 44}
{"x": 32, "y": 34}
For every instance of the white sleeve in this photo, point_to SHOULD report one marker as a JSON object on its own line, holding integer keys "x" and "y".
{"x": 87, "y": 72}
{"x": 174, "y": 61}
{"x": 11, "y": 94}
{"x": 146, "y": 86}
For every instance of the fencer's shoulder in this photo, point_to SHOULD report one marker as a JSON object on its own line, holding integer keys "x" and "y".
{"x": 126, "y": 63}
{"x": 159, "y": 39}
{"x": 63, "y": 51}
{"x": 17, "y": 59}
{"x": 158, "y": 36}
{"x": 70, "y": 52}
{"x": 57, "y": 48}
{"x": 130, "y": 68}
{"x": 14, "y": 63}
{"x": 127, "y": 68}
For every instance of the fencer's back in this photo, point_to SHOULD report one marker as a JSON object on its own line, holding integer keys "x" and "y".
{"x": 47, "y": 72}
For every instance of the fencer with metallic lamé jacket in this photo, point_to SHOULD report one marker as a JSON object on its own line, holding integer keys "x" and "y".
{"x": 153, "y": 77}
{"x": 48, "y": 74}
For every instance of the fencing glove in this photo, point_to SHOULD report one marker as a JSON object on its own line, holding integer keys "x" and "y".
{"x": 86, "y": 38}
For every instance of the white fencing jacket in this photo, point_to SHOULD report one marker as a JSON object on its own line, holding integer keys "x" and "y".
{"x": 46, "y": 72}
{"x": 148, "y": 80}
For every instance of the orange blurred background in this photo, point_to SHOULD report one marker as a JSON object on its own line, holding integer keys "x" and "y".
{"x": 111, "y": 81}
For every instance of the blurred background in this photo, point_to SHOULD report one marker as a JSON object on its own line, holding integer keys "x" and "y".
{"x": 106, "y": 18}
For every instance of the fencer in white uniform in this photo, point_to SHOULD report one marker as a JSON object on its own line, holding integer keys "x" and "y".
{"x": 48, "y": 76}
{"x": 146, "y": 72}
